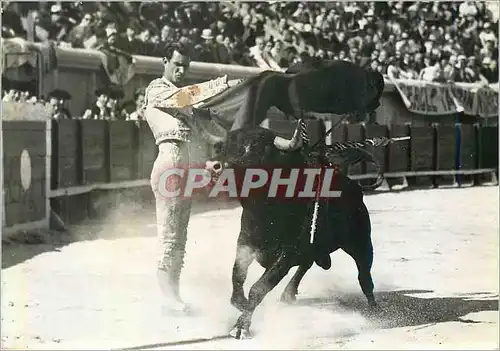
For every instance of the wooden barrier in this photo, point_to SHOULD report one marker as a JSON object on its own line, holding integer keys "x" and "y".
{"x": 66, "y": 156}
{"x": 423, "y": 153}
{"x": 488, "y": 152}
{"x": 122, "y": 151}
{"x": 26, "y": 157}
{"x": 489, "y": 147}
{"x": 92, "y": 159}
{"x": 468, "y": 157}
{"x": 447, "y": 151}
{"x": 399, "y": 152}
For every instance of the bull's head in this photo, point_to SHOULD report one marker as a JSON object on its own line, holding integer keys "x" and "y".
{"x": 245, "y": 147}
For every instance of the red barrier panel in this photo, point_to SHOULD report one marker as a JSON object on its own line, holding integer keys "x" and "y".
{"x": 488, "y": 141}
{"x": 339, "y": 133}
{"x": 380, "y": 153}
{"x": 399, "y": 152}
{"x": 422, "y": 148}
{"x": 446, "y": 137}
{"x": 468, "y": 146}
{"x": 355, "y": 132}
{"x": 66, "y": 154}
{"x": 95, "y": 137}
{"x": 122, "y": 151}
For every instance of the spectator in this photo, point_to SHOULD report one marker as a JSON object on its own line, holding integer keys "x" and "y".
{"x": 98, "y": 110}
{"x": 246, "y": 31}
{"x": 449, "y": 70}
{"x": 256, "y": 53}
{"x": 268, "y": 57}
{"x": 80, "y": 33}
{"x": 209, "y": 48}
{"x": 432, "y": 73}
{"x": 57, "y": 100}
{"x": 468, "y": 8}
{"x": 128, "y": 41}
{"x": 489, "y": 69}
{"x": 56, "y": 26}
{"x": 138, "y": 113}
{"x": 112, "y": 103}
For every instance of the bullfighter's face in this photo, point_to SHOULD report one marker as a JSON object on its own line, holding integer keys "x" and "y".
{"x": 177, "y": 67}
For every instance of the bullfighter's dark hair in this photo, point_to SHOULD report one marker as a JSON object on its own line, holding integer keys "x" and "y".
{"x": 182, "y": 48}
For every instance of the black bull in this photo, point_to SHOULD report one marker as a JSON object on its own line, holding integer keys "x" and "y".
{"x": 334, "y": 87}
{"x": 276, "y": 232}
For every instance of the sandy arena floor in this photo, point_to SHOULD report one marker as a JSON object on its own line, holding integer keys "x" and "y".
{"x": 435, "y": 271}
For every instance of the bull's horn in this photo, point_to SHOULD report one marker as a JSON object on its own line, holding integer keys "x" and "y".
{"x": 289, "y": 145}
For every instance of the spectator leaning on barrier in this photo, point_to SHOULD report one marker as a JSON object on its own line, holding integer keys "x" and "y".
{"x": 57, "y": 100}
{"x": 138, "y": 113}
{"x": 80, "y": 33}
{"x": 115, "y": 95}
{"x": 99, "y": 109}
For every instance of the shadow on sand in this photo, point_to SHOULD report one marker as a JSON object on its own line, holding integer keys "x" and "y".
{"x": 398, "y": 309}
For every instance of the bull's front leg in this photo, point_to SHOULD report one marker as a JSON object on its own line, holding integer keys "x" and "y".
{"x": 271, "y": 277}
{"x": 292, "y": 289}
{"x": 244, "y": 258}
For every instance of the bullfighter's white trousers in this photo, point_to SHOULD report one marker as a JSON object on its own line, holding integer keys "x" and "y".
{"x": 172, "y": 213}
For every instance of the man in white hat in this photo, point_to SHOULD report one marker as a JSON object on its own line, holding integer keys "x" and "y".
{"x": 209, "y": 48}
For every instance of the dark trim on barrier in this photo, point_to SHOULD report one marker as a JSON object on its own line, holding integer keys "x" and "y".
{"x": 107, "y": 149}
{"x": 79, "y": 154}
{"x": 54, "y": 162}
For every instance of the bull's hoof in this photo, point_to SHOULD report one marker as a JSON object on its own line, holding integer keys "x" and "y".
{"x": 240, "y": 302}
{"x": 288, "y": 297}
{"x": 241, "y": 333}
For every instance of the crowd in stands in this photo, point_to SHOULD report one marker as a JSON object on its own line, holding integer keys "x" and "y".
{"x": 431, "y": 41}
{"x": 437, "y": 41}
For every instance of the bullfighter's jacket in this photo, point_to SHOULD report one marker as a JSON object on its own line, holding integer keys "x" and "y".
{"x": 163, "y": 125}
